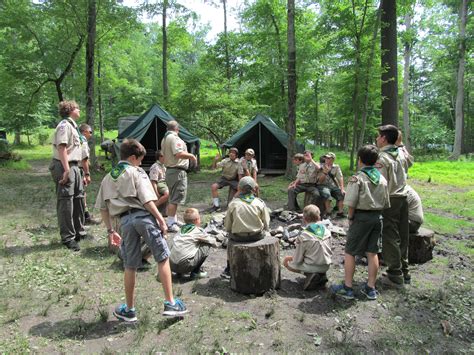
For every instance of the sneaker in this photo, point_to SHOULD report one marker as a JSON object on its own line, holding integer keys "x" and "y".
{"x": 72, "y": 245}
{"x": 309, "y": 278}
{"x": 213, "y": 209}
{"x": 123, "y": 313}
{"x": 407, "y": 279}
{"x": 198, "y": 275}
{"x": 173, "y": 228}
{"x": 92, "y": 221}
{"x": 370, "y": 292}
{"x": 226, "y": 274}
{"x": 343, "y": 291}
{"x": 178, "y": 308}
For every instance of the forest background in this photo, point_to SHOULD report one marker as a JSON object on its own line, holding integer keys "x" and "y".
{"x": 140, "y": 57}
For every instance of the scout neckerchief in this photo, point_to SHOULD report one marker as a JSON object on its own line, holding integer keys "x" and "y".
{"x": 249, "y": 165}
{"x": 316, "y": 230}
{"x": 393, "y": 151}
{"x": 248, "y": 198}
{"x": 187, "y": 228}
{"x": 119, "y": 169}
{"x": 372, "y": 173}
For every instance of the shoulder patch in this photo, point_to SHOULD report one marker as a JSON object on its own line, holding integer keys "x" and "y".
{"x": 354, "y": 178}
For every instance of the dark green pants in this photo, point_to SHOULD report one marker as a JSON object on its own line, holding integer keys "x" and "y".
{"x": 395, "y": 239}
{"x": 70, "y": 202}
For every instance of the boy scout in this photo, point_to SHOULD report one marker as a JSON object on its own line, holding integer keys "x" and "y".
{"x": 126, "y": 192}
{"x": 415, "y": 210}
{"x": 247, "y": 217}
{"x": 335, "y": 182}
{"x": 366, "y": 197}
{"x": 229, "y": 177}
{"x": 176, "y": 161}
{"x": 85, "y": 134}
{"x": 306, "y": 179}
{"x": 67, "y": 153}
{"x": 395, "y": 227}
{"x": 158, "y": 181}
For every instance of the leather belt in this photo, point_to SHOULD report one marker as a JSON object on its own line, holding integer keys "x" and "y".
{"x": 130, "y": 211}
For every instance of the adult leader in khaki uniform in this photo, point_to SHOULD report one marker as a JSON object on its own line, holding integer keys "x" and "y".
{"x": 229, "y": 176}
{"x": 306, "y": 180}
{"x": 395, "y": 219}
{"x": 176, "y": 160}
{"x": 67, "y": 153}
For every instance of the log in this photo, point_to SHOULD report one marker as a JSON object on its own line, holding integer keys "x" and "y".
{"x": 421, "y": 246}
{"x": 319, "y": 201}
{"x": 254, "y": 266}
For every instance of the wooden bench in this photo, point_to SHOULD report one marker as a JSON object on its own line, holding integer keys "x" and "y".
{"x": 420, "y": 249}
{"x": 254, "y": 266}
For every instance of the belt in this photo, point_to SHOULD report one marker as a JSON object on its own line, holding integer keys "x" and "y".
{"x": 177, "y": 168}
{"x": 369, "y": 211}
{"x": 130, "y": 211}
{"x": 73, "y": 162}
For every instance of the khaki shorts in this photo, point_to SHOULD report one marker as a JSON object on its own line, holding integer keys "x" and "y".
{"x": 177, "y": 181}
{"x": 223, "y": 182}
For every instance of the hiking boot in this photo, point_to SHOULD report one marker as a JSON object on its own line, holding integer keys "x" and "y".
{"x": 386, "y": 281}
{"x": 407, "y": 279}
{"x": 309, "y": 278}
{"x": 226, "y": 274}
{"x": 176, "y": 309}
{"x": 198, "y": 275}
{"x": 173, "y": 228}
{"x": 370, "y": 292}
{"x": 123, "y": 313}
{"x": 343, "y": 291}
{"x": 72, "y": 245}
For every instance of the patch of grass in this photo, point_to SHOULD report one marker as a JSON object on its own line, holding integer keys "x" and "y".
{"x": 103, "y": 314}
{"x": 80, "y": 307}
{"x": 44, "y": 312}
{"x": 455, "y": 173}
{"x": 442, "y": 224}
{"x": 465, "y": 247}
{"x": 15, "y": 165}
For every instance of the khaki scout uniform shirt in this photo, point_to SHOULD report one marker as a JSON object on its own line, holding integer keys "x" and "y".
{"x": 406, "y": 158}
{"x": 307, "y": 173}
{"x": 132, "y": 189}
{"x": 185, "y": 246}
{"x": 392, "y": 170}
{"x": 415, "y": 209}
{"x": 244, "y": 218}
{"x": 67, "y": 133}
{"x": 85, "y": 150}
{"x": 362, "y": 194}
{"x": 250, "y": 165}
{"x": 312, "y": 254}
{"x": 336, "y": 175}
{"x": 230, "y": 168}
{"x": 158, "y": 172}
{"x": 171, "y": 145}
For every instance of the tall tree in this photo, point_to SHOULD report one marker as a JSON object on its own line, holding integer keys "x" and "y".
{"x": 459, "y": 110}
{"x": 292, "y": 87}
{"x": 408, "y": 39}
{"x": 165, "y": 52}
{"x": 389, "y": 62}
{"x": 90, "y": 58}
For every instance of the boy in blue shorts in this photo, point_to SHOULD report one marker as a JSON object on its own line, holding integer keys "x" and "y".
{"x": 126, "y": 192}
{"x": 366, "y": 196}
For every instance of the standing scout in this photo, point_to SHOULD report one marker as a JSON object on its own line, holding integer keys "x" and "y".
{"x": 84, "y": 166}
{"x": 158, "y": 181}
{"x": 229, "y": 177}
{"x": 395, "y": 226}
{"x": 67, "y": 153}
{"x": 305, "y": 180}
{"x": 366, "y": 197}
{"x": 335, "y": 182}
{"x": 126, "y": 192}
{"x": 176, "y": 161}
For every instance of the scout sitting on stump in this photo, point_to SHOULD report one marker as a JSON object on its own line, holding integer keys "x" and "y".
{"x": 247, "y": 216}
{"x": 191, "y": 246}
{"x": 366, "y": 196}
{"x": 313, "y": 250}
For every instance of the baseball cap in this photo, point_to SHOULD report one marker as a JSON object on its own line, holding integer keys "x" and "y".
{"x": 330, "y": 155}
{"x": 250, "y": 151}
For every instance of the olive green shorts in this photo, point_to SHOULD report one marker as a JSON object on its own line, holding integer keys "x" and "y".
{"x": 177, "y": 181}
{"x": 365, "y": 233}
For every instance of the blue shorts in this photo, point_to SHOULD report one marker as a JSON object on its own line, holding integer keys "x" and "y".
{"x": 139, "y": 225}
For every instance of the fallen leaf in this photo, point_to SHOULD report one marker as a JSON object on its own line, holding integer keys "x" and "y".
{"x": 447, "y": 327}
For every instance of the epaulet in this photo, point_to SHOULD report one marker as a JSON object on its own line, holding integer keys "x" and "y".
{"x": 354, "y": 178}
{"x": 141, "y": 170}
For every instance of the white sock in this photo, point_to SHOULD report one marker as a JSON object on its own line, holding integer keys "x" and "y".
{"x": 215, "y": 201}
{"x": 171, "y": 221}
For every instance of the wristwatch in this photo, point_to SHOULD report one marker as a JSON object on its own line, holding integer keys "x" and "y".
{"x": 110, "y": 231}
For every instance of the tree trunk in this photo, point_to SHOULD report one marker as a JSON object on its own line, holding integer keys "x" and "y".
{"x": 406, "y": 81}
{"x": 90, "y": 46}
{"x": 226, "y": 44}
{"x": 459, "y": 112}
{"x": 99, "y": 98}
{"x": 165, "y": 54}
{"x": 17, "y": 139}
{"x": 292, "y": 88}
{"x": 280, "y": 63}
{"x": 316, "y": 111}
{"x": 389, "y": 63}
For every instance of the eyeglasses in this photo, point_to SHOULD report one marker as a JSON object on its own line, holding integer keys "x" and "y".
{"x": 90, "y": 132}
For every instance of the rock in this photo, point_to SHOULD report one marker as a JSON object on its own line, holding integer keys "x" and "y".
{"x": 294, "y": 226}
{"x": 293, "y": 233}
{"x": 279, "y": 235}
{"x": 276, "y": 212}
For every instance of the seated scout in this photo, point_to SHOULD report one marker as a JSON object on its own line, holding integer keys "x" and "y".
{"x": 126, "y": 192}
{"x": 366, "y": 196}
{"x": 335, "y": 183}
{"x": 313, "y": 250}
{"x": 229, "y": 177}
{"x": 191, "y": 246}
{"x": 247, "y": 217}
{"x": 415, "y": 210}
{"x": 305, "y": 179}
{"x": 248, "y": 167}
{"x": 158, "y": 181}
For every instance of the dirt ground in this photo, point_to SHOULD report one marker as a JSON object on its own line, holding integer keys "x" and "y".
{"x": 74, "y": 315}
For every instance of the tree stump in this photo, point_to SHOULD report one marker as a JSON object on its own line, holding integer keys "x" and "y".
{"x": 421, "y": 246}
{"x": 254, "y": 266}
{"x": 319, "y": 201}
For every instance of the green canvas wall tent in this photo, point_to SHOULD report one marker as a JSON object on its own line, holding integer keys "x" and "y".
{"x": 150, "y": 128}
{"x": 267, "y": 140}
